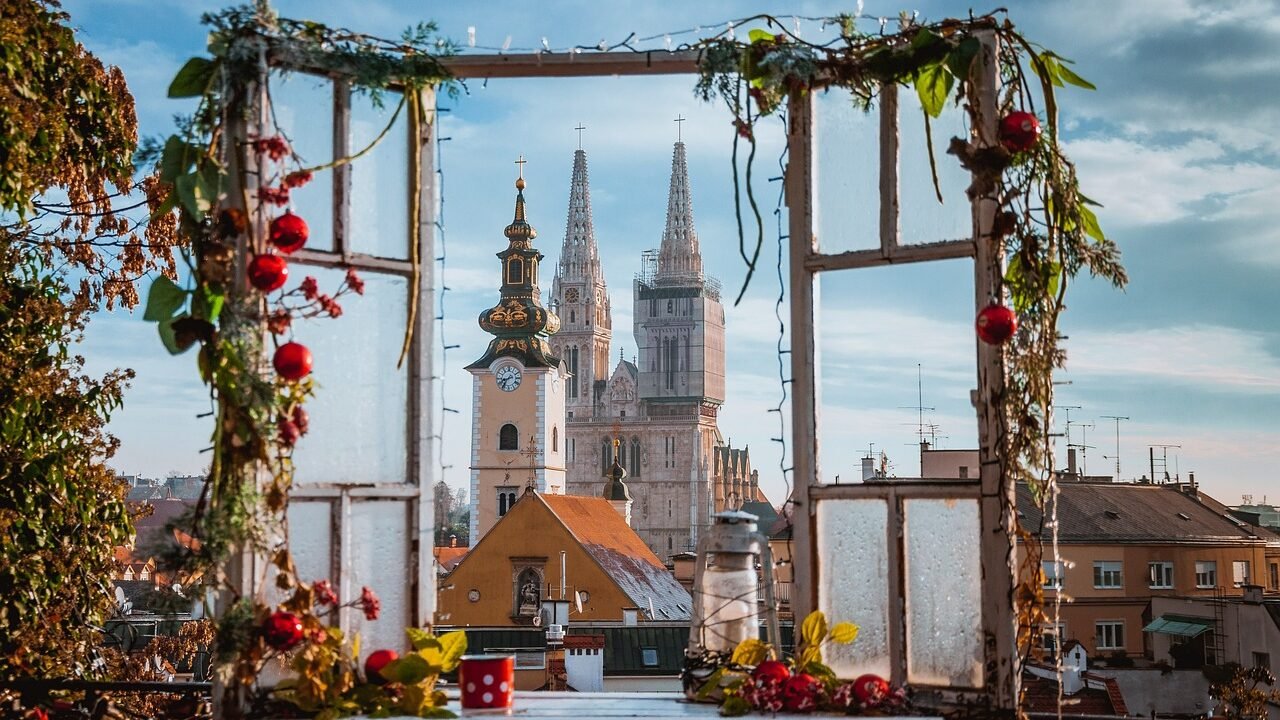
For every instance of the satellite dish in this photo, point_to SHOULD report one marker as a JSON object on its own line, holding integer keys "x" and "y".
{"x": 577, "y": 598}
{"x": 120, "y": 596}
{"x": 537, "y": 621}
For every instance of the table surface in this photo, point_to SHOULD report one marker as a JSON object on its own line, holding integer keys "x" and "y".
{"x": 583, "y": 706}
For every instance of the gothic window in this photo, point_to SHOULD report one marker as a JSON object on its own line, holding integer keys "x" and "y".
{"x": 573, "y": 369}
{"x": 622, "y": 452}
{"x": 555, "y": 439}
{"x": 508, "y": 437}
{"x": 506, "y": 499}
{"x": 573, "y": 317}
{"x": 606, "y": 455}
{"x": 573, "y": 448}
{"x": 515, "y": 271}
{"x": 635, "y": 457}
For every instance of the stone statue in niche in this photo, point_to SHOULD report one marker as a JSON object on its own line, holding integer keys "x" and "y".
{"x": 622, "y": 391}
{"x": 528, "y": 594}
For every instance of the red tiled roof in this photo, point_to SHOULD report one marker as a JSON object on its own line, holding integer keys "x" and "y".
{"x": 605, "y": 535}
{"x": 449, "y": 557}
{"x": 1040, "y": 695}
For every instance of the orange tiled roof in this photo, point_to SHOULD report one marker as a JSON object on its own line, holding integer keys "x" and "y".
{"x": 604, "y": 534}
{"x": 449, "y": 557}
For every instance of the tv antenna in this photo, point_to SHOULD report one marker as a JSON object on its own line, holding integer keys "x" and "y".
{"x": 1066, "y": 414}
{"x": 919, "y": 407}
{"x": 1082, "y": 445}
{"x": 1117, "y": 418}
{"x": 1164, "y": 460}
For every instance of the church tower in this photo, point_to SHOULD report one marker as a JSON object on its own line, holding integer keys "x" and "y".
{"x": 679, "y": 321}
{"x": 518, "y": 397}
{"x": 583, "y": 302}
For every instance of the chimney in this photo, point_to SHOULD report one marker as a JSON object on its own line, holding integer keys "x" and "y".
{"x": 1252, "y": 594}
{"x": 1071, "y": 464}
{"x": 868, "y": 468}
{"x": 453, "y": 541}
{"x": 584, "y": 662}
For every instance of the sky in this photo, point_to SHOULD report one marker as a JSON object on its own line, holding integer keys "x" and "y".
{"x": 1178, "y": 143}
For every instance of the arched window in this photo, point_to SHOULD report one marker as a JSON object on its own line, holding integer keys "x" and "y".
{"x": 555, "y": 439}
{"x": 573, "y": 317}
{"x": 515, "y": 271}
{"x": 635, "y": 457}
{"x": 622, "y": 452}
{"x": 606, "y": 455}
{"x": 508, "y": 437}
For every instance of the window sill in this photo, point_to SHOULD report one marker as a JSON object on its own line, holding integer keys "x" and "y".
{"x": 576, "y": 706}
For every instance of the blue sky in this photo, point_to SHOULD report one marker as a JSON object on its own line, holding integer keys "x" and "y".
{"x": 1178, "y": 143}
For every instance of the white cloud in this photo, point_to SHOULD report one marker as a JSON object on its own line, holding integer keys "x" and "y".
{"x": 1206, "y": 356}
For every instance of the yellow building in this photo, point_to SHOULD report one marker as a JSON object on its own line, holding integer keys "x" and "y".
{"x": 504, "y": 579}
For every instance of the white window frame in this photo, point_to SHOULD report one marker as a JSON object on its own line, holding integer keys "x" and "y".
{"x": 1238, "y": 578}
{"x": 1053, "y": 580}
{"x": 1160, "y": 575}
{"x": 1102, "y": 569}
{"x": 1099, "y": 631}
{"x": 1207, "y": 568}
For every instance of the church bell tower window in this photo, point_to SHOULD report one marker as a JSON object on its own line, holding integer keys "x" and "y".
{"x": 508, "y": 437}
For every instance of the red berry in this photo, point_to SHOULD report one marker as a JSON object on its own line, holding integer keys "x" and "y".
{"x": 1019, "y": 131}
{"x": 289, "y": 232}
{"x": 377, "y": 660}
{"x": 292, "y": 361}
{"x": 774, "y": 670}
{"x": 282, "y": 630}
{"x": 996, "y": 324}
{"x": 800, "y": 694}
{"x": 268, "y": 272}
{"x": 870, "y": 689}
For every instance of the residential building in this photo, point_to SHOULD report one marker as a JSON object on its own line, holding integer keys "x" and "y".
{"x": 1189, "y": 632}
{"x": 662, "y": 406}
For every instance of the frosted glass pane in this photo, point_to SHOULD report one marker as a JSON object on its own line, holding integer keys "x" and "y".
{"x": 379, "y": 538}
{"x": 922, "y": 218}
{"x": 379, "y": 180}
{"x": 853, "y": 582}
{"x": 847, "y": 173}
{"x": 303, "y": 109}
{"x": 944, "y": 592}
{"x": 359, "y": 416}
{"x": 310, "y": 539}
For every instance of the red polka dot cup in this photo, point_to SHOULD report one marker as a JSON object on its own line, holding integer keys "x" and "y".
{"x": 487, "y": 681}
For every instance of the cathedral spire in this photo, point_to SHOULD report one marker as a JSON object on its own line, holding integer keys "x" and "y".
{"x": 679, "y": 259}
{"x": 579, "y": 257}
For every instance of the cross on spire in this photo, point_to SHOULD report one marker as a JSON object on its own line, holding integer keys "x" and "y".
{"x": 520, "y": 164}
{"x": 580, "y": 128}
{"x": 679, "y": 119}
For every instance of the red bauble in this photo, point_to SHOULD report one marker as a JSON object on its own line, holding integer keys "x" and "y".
{"x": 282, "y": 630}
{"x": 289, "y": 232}
{"x": 377, "y": 660}
{"x": 773, "y": 670}
{"x": 996, "y": 324}
{"x": 870, "y": 689}
{"x": 800, "y": 693}
{"x": 292, "y": 361}
{"x": 268, "y": 272}
{"x": 1019, "y": 131}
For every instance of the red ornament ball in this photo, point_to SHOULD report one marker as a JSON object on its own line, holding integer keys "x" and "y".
{"x": 268, "y": 272}
{"x": 800, "y": 693}
{"x": 1019, "y": 131}
{"x": 292, "y": 361}
{"x": 870, "y": 689}
{"x": 288, "y": 232}
{"x": 996, "y": 324}
{"x": 773, "y": 670}
{"x": 282, "y": 630}
{"x": 377, "y": 660}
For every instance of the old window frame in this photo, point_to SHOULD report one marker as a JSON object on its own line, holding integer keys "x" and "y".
{"x": 992, "y": 489}
{"x": 1108, "y": 575}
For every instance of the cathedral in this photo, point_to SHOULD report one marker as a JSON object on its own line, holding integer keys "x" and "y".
{"x": 656, "y": 415}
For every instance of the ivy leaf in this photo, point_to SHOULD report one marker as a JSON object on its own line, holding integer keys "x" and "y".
{"x": 844, "y": 633}
{"x": 193, "y": 79}
{"x": 409, "y": 670}
{"x": 820, "y": 671}
{"x": 751, "y": 651}
{"x": 177, "y": 158}
{"x": 933, "y": 85}
{"x": 452, "y": 645}
{"x": 814, "y": 628}
{"x": 1090, "y": 221}
{"x": 960, "y": 60}
{"x": 169, "y": 335}
{"x": 163, "y": 299}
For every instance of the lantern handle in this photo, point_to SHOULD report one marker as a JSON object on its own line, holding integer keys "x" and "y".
{"x": 770, "y": 602}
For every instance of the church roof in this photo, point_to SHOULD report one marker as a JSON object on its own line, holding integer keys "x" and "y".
{"x": 622, "y": 555}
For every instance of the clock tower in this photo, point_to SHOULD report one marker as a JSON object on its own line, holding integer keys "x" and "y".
{"x": 517, "y": 389}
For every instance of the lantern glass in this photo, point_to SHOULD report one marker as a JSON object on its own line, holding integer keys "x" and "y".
{"x": 729, "y": 597}
{"x": 854, "y": 581}
{"x": 944, "y": 593}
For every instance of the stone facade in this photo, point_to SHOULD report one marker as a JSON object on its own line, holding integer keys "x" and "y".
{"x": 663, "y": 406}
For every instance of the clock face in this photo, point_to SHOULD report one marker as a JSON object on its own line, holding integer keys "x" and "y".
{"x": 571, "y": 295}
{"x": 508, "y": 377}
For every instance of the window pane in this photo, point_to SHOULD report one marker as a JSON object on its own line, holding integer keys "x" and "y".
{"x": 379, "y": 180}
{"x": 923, "y": 218}
{"x": 379, "y": 537}
{"x": 846, "y": 173}
{"x": 303, "y": 109}
{"x": 310, "y": 539}
{"x": 853, "y": 581}
{"x": 359, "y": 415}
{"x": 944, "y": 592}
